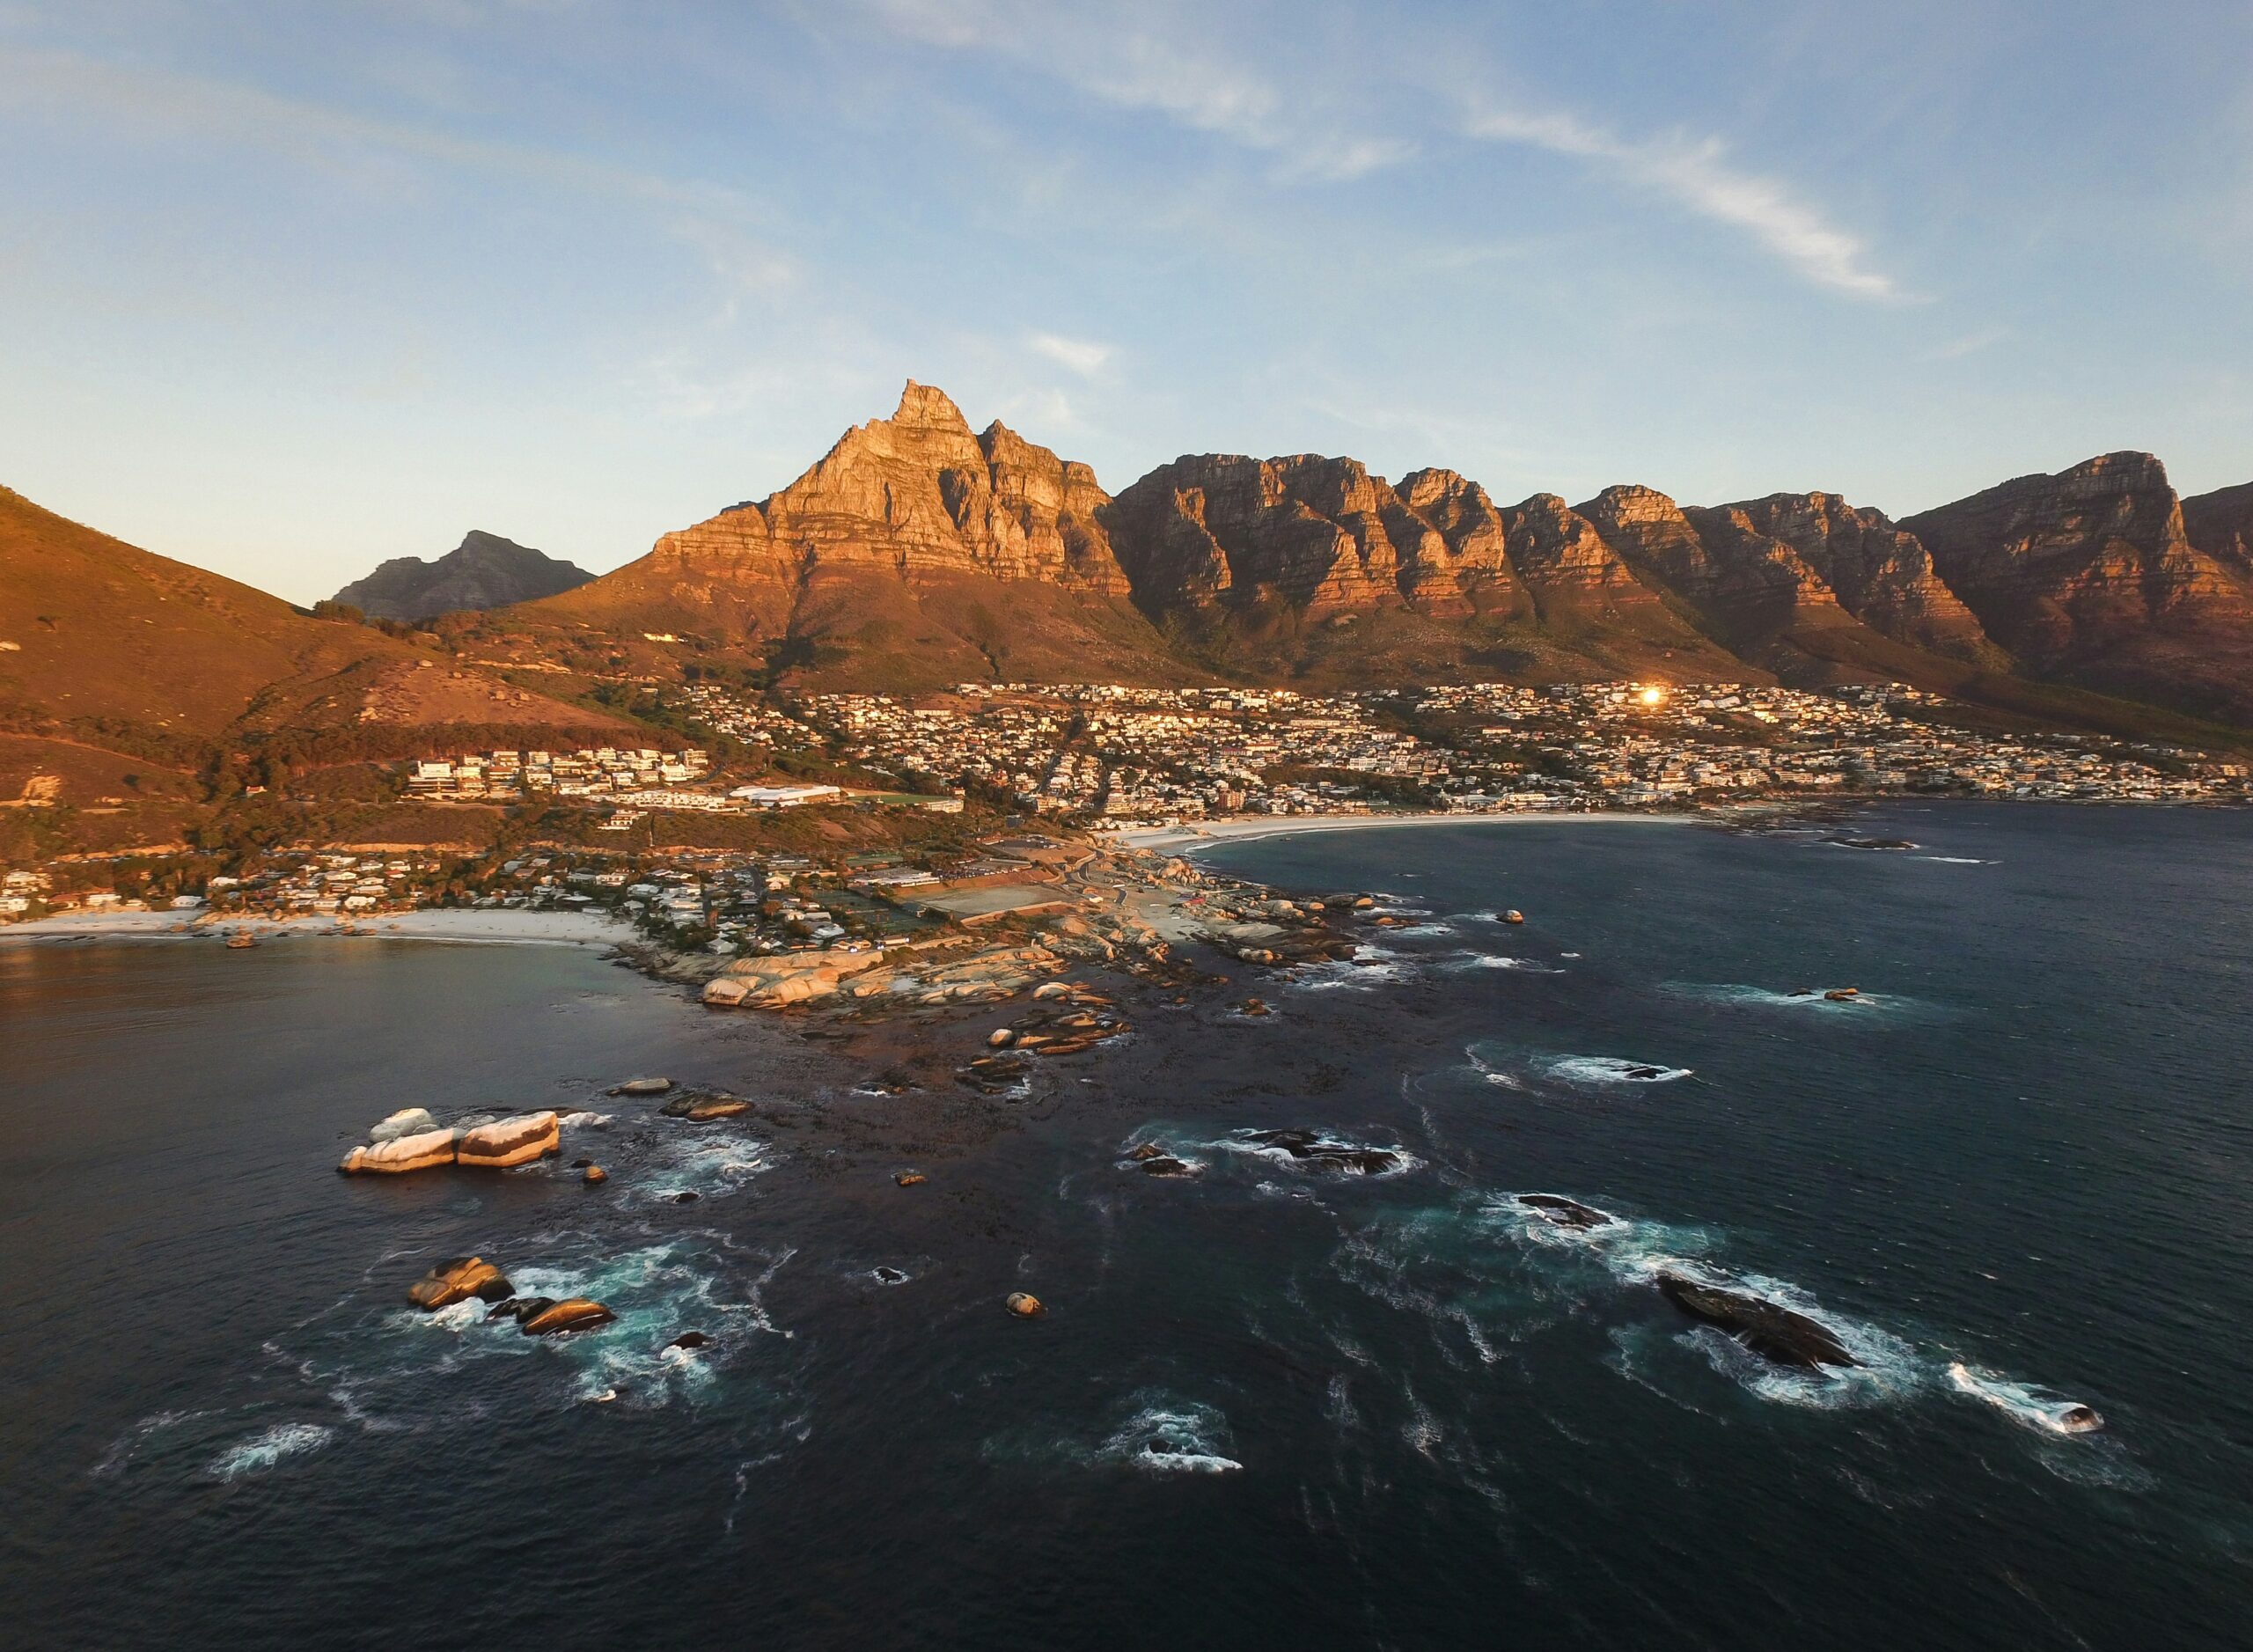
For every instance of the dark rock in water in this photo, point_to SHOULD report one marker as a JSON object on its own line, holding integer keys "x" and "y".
{"x": 641, "y": 1087}
{"x": 1024, "y": 1305}
{"x": 1774, "y": 1332}
{"x": 1165, "y": 1166}
{"x": 1566, "y": 1213}
{"x": 1843, "y": 994}
{"x": 891, "y": 1276}
{"x": 1254, "y": 1007}
{"x": 458, "y": 1279}
{"x": 519, "y": 1308}
{"x": 690, "y": 1340}
{"x": 687, "y": 1196}
{"x": 1312, "y": 1151}
{"x": 2080, "y": 1420}
{"x": 573, "y": 1313}
{"x": 717, "y": 1107}
{"x": 1871, "y": 843}
{"x": 1641, "y": 1072}
{"x": 580, "y": 1164}
{"x": 1149, "y": 1150}
{"x": 701, "y": 1105}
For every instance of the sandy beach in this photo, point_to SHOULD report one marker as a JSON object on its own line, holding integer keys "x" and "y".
{"x": 473, "y": 927}
{"x": 1210, "y": 832}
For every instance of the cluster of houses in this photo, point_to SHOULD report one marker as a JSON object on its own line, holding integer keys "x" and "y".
{"x": 1606, "y": 744}
{"x": 1130, "y": 755}
{"x": 605, "y": 772}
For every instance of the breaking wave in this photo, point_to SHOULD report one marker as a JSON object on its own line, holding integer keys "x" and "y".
{"x": 2025, "y": 1404}
{"x": 262, "y": 1451}
{"x": 1612, "y": 1070}
{"x": 1166, "y": 1435}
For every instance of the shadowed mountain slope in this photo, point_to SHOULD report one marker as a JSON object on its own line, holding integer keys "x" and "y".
{"x": 483, "y": 571}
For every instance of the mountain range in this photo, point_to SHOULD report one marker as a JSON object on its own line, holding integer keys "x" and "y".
{"x": 917, "y": 553}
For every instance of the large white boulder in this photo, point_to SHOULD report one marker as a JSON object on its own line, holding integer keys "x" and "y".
{"x": 517, "y": 1141}
{"x": 420, "y": 1152}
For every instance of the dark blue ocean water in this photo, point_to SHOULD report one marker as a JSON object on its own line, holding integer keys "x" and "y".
{"x": 1266, "y": 1407}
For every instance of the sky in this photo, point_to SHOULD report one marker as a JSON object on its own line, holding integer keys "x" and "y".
{"x": 286, "y": 290}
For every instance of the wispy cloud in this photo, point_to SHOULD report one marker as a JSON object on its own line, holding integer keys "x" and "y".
{"x": 1969, "y": 344}
{"x": 1697, "y": 173}
{"x": 1083, "y": 357}
{"x": 1145, "y": 61}
{"x": 89, "y": 89}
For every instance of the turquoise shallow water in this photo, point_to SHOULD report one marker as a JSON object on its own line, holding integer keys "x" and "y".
{"x": 1266, "y": 1406}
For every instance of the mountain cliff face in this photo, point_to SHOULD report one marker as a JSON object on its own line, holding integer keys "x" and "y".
{"x": 914, "y": 553}
{"x": 2088, "y": 575}
{"x": 1321, "y": 536}
{"x": 483, "y": 571}
{"x": 2220, "y": 523}
{"x": 1879, "y": 574}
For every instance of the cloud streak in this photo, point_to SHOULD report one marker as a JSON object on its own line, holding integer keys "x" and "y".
{"x": 1083, "y": 357}
{"x": 1696, "y": 174}
{"x": 81, "y": 89}
{"x": 1146, "y": 68}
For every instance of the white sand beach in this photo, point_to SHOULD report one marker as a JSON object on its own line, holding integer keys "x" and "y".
{"x": 472, "y": 927}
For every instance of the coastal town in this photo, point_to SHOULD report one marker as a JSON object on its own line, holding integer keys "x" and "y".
{"x": 1098, "y": 765}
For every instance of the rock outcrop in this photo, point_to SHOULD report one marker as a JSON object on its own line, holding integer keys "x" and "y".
{"x": 483, "y": 571}
{"x": 457, "y": 1280}
{"x": 423, "y": 1151}
{"x": 406, "y": 1121}
{"x": 573, "y": 1313}
{"x": 1776, "y": 1333}
{"x": 510, "y": 1141}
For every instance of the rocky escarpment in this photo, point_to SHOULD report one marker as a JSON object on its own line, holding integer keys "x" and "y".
{"x": 914, "y": 553}
{"x": 1879, "y": 573}
{"x": 1742, "y": 587}
{"x": 2220, "y": 523}
{"x": 1321, "y": 536}
{"x": 917, "y": 496}
{"x": 2089, "y": 575}
{"x": 483, "y": 571}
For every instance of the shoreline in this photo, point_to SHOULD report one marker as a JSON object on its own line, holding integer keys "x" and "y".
{"x": 1244, "y": 828}
{"x": 453, "y": 926}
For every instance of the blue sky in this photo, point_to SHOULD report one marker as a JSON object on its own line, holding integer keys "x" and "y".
{"x": 288, "y": 289}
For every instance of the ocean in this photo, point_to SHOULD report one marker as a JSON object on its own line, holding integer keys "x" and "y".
{"x": 1267, "y": 1406}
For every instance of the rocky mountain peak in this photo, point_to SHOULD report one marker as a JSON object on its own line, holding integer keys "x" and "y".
{"x": 927, "y": 407}
{"x": 1631, "y": 505}
{"x": 483, "y": 571}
